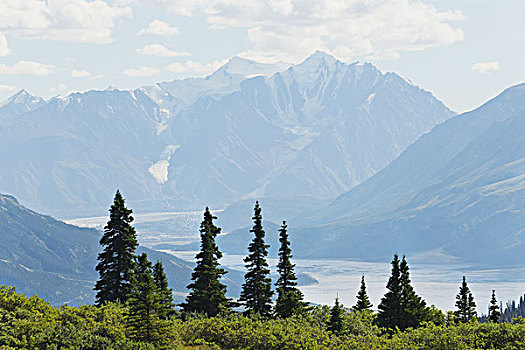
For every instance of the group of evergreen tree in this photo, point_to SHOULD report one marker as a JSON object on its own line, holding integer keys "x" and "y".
{"x": 208, "y": 294}
{"x": 133, "y": 280}
{"x": 401, "y": 307}
{"x": 512, "y": 310}
{"x": 130, "y": 279}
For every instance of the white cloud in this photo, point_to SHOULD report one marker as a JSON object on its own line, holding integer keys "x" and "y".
{"x": 97, "y": 77}
{"x": 61, "y": 20}
{"x": 194, "y": 66}
{"x": 486, "y": 68}
{"x": 289, "y": 30}
{"x": 4, "y": 49}
{"x": 26, "y": 68}
{"x": 7, "y": 88}
{"x": 76, "y": 73}
{"x": 161, "y": 51}
{"x": 141, "y": 72}
{"x": 158, "y": 27}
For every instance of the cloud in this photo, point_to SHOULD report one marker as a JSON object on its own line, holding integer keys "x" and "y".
{"x": 141, "y": 72}
{"x": 161, "y": 51}
{"x": 486, "y": 68}
{"x": 4, "y": 49}
{"x": 194, "y": 66}
{"x": 289, "y": 30}
{"x": 7, "y": 88}
{"x": 61, "y": 20}
{"x": 27, "y": 68}
{"x": 158, "y": 27}
{"x": 75, "y": 73}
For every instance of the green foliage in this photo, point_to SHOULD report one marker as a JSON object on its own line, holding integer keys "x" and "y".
{"x": 164, "y": 293}
{"x": 466, "y": 307}
{"x": 31, "y": 323}
{"x": 116, "y": 264}
{"x": 401, "y": 307}
{"x": 336, "y": 317}
{"x": 208, "y": 294}
{"x": 363, "y": 302}
{"x": 257, "y": 289}
{"x": 144, "y": 305}
{"x": 289, "y": 297}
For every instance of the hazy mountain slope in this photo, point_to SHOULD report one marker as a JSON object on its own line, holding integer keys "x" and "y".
{"x": 457, "y": 191}
{"x": 314, "y": 130}
{"x": 40, "y": 255}
{"x": 419, "y": 164}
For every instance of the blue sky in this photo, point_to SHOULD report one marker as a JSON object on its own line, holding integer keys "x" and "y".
{"x": 465, "y": 52}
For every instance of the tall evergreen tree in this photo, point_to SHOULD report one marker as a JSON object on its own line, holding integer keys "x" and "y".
{"x": 116, "y": 262}
{"x": 391, "y": 306}
{"x": 208, "y": 294}
{"x": 257, "y": 289}
{"x": 466, "y": 307}
{"x": 363, "y": 302}
{"x": 494, "y": 313}
{"x": 336, "y": 317}
{"x": 144, "y": 303}
{"x": 401, "y": 307}
{"x": 165, "y": 293}
{"x": 289, "y": 297}
{"x": 414, "y": 308}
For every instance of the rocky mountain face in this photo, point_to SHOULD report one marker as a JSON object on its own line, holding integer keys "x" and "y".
{"x": 249, "y": 130}
{"x": 457, "y": 192}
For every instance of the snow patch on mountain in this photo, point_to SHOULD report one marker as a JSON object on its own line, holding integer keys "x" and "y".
{"x": 159, "y": 170}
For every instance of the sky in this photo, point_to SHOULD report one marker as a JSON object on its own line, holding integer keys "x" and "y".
{"x": 463, "y": 51}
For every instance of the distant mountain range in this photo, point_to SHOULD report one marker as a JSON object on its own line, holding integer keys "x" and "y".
{"x": 249, "y": 130}
{"x": 456, "y": 193}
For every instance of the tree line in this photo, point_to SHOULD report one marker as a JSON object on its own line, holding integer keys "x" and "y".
{"x": 135, "y": 281}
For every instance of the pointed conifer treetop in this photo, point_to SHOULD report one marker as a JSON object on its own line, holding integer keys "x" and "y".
{"x": 116, "y": 262}
{"x": 363, "y": 302}
{"x": 494, "y": 311}
{"x": 257, "y": 290}
{"x": 289, "y": 297}
{"x": 466, "y": 307}
{"x": 414, "y": 308}
{"x": 165, "y": 293}
{"x": 207, "y": 294}
{"x": 336, "y": 317}
{"x": 144, "y": 303}
{"x": 390, "y": 307}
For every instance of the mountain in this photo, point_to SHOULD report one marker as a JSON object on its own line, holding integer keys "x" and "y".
{"x": 19, "y": 103}
{"x": 312, "y": 131}
{"x": 44, "y": 256}
{"x": 456, "y": 193}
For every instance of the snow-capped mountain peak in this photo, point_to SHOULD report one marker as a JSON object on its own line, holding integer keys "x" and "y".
{"x": 238, "y": 68}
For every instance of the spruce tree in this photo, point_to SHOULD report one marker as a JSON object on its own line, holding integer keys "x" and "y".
{"x": 494, "y": 313}
{"x": 289, "y": 297}
{"x": 208, "y": 294}
{"x": 414, "y": 308}
{"x": 165, "y": 294}
{"x": 363, "y": 302}
{"x": 144, "y": 303}
{"x": 116, "y": 262}
{"x": 257, "y": 289}
{"x": 466, "y": 307}
{"x": 391, "y": 307}
{"x": 336, "y": 317}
